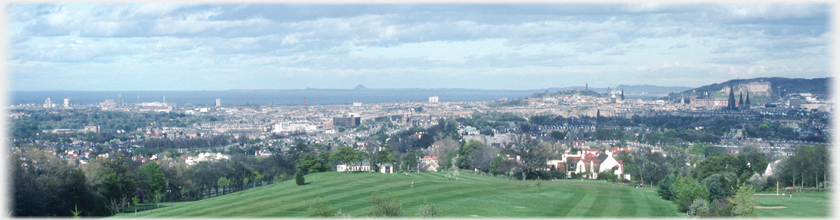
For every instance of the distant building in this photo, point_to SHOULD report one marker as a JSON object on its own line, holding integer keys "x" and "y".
{"x": 66, "y": 103}
{"x": 108, "y": 104}
{"x": 418, "y": 119}
{"x": 48, "y": 103}
{"x": 433, "y": 99}
{"x": 91, "y": 128}
{"x": 218, "y": 102}
{"x": 347, "y": 121}
{"x": 795, "y": 103}
{"x": 357, "y": 104}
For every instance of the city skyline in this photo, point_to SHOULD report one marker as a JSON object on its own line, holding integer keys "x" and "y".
{"x": 473, "y": 46}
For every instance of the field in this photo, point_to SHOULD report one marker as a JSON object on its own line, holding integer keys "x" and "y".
{"x": 468, "y": 196}
{"x": 806, "y": 204}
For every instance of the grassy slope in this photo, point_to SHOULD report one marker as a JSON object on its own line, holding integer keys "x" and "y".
{"x": 469, "y": 195}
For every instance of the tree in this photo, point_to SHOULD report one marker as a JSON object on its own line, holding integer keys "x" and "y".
{"x": 257, "y": 178}
{"x": 685, "y": 190}
{"x": 446, "y": 149}
{"x": 720, "y": 185}
{"x": 530, "y": 154}
{"x": 299, "y": 180}
{"x": 558, "y": 135}
{"x": 495, "y": 163}
{"x": 721, "y": 164}
{"x": 538, "y": 184}
{"x": 158, "y": 196}
{"x": 154, "y": 177}
{"x": 346, "y": 155}
{"x": 743, "y": 200}
{"x": 135, "y": 201}
{"x": 386, "y": 155}
{"x": 664, "y": 190}
{"x": 223, "y": 182}
{"x": 650, "y": 167}
{"x": 464, "y": 151}
{"x": 312, "y": 162}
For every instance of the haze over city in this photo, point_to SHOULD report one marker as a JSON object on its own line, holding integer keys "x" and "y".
{"x": 479, "y": 46}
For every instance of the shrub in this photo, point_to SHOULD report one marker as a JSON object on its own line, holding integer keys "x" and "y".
{"x": 321, "y": 209}
{"x": 385, "y": 207}
{"x": 758, "y": 182}
{"x": 299, "y": 178}
{"x": 743, "y": 201}
{"x": 698, "y": 208}
{"x": 429, "y": 210}
{"x": 685, "y": 190}
{"x": 664, "y": 190}
{"x": 722, "y": 208}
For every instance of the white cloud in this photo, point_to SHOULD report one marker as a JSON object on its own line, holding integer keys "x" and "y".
{"x": 442, "y": 40}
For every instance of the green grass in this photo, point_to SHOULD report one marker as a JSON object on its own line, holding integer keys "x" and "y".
{"x": 469, "y": 196}
{"x": 806, "y": 204}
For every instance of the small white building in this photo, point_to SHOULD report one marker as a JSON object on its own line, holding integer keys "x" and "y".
{"x": 357, "y": 166}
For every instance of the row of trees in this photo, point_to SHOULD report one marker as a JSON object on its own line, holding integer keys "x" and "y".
{"x": 47, "y": 186}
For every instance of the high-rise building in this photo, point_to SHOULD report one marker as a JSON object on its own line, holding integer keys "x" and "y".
{"x": 66, "y": 103}
{"x": 48, "y": 103}
{"x": 433, "y": 99}
{"x": 218, "y": 102}
{"x": 346, "y": 121}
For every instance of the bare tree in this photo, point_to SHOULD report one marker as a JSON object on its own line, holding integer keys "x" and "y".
{"x": 116, "y": 206}
{"x": 531, "y": 155}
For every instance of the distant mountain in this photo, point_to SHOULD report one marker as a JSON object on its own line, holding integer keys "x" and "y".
{"x": 360, "y": 87}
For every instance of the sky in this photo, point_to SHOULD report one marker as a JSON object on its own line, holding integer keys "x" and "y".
{"x": 120, "y": 47}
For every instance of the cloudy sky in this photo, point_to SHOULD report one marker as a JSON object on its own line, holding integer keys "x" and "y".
{"x": 483, "y": 46}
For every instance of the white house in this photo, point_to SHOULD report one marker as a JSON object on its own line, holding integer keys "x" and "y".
{"x": 358, "y": 166}
{"x": 428, "y": 164}
{"x": 771, "y": 167}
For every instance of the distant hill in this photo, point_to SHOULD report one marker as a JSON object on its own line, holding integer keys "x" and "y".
{"x": 637, "y": 90}
{"x": 360, "y": 87}
{"x": 761, "y": 90}
{"x": 650, "y": 89}
{"x": 817, "y": 86}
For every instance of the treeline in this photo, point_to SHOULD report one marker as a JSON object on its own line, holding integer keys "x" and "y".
{"x": 44, "y": 185}
{"x": 722, "y": 185}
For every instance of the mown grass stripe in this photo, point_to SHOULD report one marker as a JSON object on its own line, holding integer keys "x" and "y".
{"x": 469, "y": 195}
